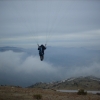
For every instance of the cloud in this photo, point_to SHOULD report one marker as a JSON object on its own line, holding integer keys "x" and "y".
{"x": 92, "y": 69}
{"x": 24, "y": 70}
{"x": 9, "y": 59}
{"x": 29, "y": 69}
{"x": 34, "y": 65}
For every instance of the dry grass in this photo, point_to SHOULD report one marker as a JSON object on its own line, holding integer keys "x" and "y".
{"x": 15, "y": 93}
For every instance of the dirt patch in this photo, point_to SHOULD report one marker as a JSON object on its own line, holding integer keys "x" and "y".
{"x": 9, "y": 93}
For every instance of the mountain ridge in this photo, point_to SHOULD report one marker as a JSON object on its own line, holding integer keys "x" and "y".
{"x": 14, "y": 49}
{"x": 88, "y": 83}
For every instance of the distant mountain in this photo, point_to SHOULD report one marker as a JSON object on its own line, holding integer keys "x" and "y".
{"x": 7, "y": 48}
{"x": 88, "y": 83}
{"x": 29, "y": 51}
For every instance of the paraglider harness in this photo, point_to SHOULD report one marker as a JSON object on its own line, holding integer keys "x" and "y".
{"x": 41, "y": 51}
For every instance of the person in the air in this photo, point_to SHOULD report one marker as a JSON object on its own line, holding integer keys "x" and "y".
{"x": 41, "y": 51}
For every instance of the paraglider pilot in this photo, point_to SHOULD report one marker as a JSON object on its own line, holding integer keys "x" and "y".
{"x": 41, "y": 51}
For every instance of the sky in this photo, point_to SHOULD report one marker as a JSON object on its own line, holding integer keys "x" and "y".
{"x": 70, "y": 28}
{"x": 55, "y": 22}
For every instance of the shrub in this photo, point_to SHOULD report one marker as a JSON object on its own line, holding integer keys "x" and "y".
{"x": 81, "y": 92}
{"x": 98, "y": 93}
{"x": 37, "y": 96}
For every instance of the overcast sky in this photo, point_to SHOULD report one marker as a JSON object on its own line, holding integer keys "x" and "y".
{"x": 71, "y": 29}
{"x": 58, "y": 22}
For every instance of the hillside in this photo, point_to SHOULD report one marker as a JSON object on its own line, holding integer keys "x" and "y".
{"x": 88, "y": 83}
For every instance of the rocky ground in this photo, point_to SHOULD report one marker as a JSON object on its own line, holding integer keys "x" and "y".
{"x": 18, "y": 93}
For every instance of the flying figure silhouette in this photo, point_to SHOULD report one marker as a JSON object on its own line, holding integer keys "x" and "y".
{"x": 41, "y": 51}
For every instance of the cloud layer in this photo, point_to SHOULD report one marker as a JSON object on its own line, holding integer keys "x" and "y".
{"x": 24, "y": 69}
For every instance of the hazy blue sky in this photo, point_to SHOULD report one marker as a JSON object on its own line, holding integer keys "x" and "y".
{"x": 70, "y": 23}
{"x": 71, "y": 29}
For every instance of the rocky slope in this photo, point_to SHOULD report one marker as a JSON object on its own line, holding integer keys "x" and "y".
{"x": 88, "y": 83}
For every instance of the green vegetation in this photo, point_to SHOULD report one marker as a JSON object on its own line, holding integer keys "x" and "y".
{"x": 81, "y": 92}
{"x": 37, "y": 96}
